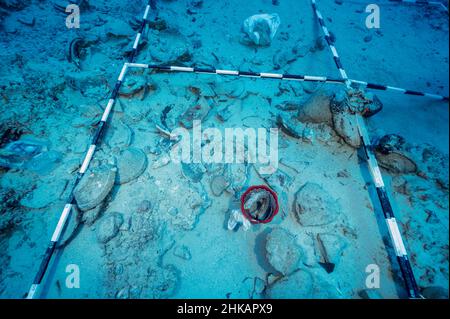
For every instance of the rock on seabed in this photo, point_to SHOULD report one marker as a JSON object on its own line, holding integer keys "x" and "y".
{"x": 281, "y": 251}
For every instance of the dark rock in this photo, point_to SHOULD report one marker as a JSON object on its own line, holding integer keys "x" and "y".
{"x": 368, "y": 38}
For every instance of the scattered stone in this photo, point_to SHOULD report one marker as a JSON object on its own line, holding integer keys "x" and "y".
{"x": 144, "y": 227}
{"x": 218, "y": 185}
{"x": 343, "y": 173}
{"x": 94, "y": 187}
{"x": 182, "y": 252}
{"x": 319, "y": 45}
{"x": 261, "y": 28}
{"x": 298, "y": 285}
{"x": 300, "y": 49}
{"x": 202, "y": 89}
{"x": 27, "y": 20}
{"x": 131, "y": 163}
{"x": 316, "y": 109}
{"x": 314, "y": 206}
{"x": 281, "y": 251}
{"x": 232, "y": 89}
{"x": 158, "y": 24}
{"x": 108, "y": 227}
{"x": 368, "y": 38}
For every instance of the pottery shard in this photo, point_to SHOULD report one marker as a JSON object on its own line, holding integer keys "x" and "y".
{"x": 392, "y": 155}
{"x": 346, "y": 127}
{"x": 344, "y": 123}
{"x": 298, "y": 285}
{"x": 218, "y": 185}
{"x": 314, "y": 206}
{"x": 136, "y": 87}
{"x": 316, "y": 109}
{"x": 94, "y": 187}
{"x": 196, "y": 112}
{"x": 281, "y": 251}
{"x": 109, "y": 227}
{"x": 118, "y": 135}
{"x": 131, "y": 164}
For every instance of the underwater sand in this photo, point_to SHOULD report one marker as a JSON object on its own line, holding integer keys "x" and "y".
{"x": 42, "y": 94}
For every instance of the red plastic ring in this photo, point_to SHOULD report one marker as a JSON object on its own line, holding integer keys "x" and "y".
{"x": 248, "y": 216}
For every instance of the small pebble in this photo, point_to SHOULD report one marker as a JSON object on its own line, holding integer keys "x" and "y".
{"x": 368, "y": 38}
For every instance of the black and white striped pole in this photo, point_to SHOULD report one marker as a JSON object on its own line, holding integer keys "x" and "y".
{"x": 87, "y": 159}
{"x": 396, "y": 238}
{"x": 287, "y": 77}
{"x": 381, "y": 87}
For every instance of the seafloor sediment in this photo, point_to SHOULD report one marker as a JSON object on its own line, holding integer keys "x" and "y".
{"x": 147, "y": 227}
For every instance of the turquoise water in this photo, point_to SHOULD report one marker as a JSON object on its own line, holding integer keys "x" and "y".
{"x": 142, "y": 225}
